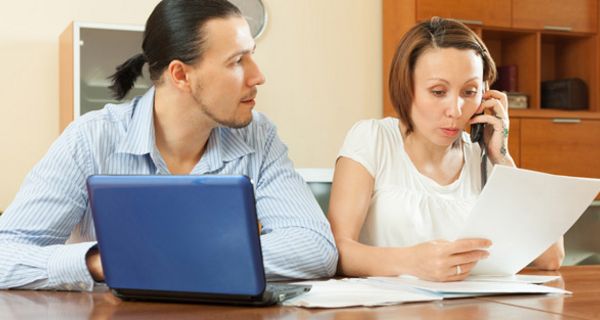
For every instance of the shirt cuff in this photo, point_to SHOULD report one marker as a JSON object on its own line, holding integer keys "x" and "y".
{"x": 67, "y": 268}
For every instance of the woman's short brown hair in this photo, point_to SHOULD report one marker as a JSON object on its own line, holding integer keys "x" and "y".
{"x": 434, "y": 33}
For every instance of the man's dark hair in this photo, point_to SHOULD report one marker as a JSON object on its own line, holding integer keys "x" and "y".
{"x": 174, "y": 31}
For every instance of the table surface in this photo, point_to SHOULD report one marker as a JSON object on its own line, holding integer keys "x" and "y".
{"x": 584, "y": 303}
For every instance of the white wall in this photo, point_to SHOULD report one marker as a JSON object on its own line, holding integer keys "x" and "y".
{"x": 321, "y": 58}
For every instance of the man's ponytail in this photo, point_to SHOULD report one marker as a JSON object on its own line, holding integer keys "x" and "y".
{"x": 125, "y": 76}
{"x": 174, "y": 31}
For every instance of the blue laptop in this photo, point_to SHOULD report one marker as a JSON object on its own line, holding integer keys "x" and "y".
{"x": 182, "y": 238}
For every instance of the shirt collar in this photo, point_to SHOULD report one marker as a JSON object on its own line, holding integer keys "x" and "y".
{"x": 139, "y": 139}
{"x": 224, "y": 145}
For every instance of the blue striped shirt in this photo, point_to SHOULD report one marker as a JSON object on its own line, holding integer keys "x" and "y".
{"x": 47, "y": 230}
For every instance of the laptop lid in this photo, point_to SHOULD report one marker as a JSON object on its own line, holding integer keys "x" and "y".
{"x": 178, "y": 234}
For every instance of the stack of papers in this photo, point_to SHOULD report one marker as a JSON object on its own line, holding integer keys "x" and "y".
{"x": 466, "y": 288}
{"x": 353, "y": 292}
{"x": 380, "y": 291}
{"x": 517, "y": 278}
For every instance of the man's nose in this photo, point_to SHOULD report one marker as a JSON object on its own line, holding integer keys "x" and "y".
{"x": 255, "y": 76}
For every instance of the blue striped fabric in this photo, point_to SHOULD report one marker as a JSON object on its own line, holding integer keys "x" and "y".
{"x": 47, "y": 230}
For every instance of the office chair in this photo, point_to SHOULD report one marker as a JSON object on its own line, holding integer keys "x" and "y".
{"x": 319, "y": 181}
{"x": 582, "y": 241}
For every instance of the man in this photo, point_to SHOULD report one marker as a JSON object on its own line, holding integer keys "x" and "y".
{"x": 197, "y": 119}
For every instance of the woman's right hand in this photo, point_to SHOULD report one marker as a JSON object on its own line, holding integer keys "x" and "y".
{"x": 441, "y": 260}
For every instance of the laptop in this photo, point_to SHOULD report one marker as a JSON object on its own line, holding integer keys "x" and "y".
{"x": 182, "y": 238}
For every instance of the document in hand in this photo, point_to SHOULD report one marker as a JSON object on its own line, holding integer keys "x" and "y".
{"x": 524, "y": 212}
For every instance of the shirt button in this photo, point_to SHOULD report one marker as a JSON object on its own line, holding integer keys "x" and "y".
{"x": 82, "y": 286}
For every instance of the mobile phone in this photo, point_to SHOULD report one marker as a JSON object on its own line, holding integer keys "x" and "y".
{"x": 477, "y": 128}
{"x": 477, "y": 131}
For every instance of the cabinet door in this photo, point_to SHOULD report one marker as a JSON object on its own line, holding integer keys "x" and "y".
{"x": 85, "y": 65}
{"x": 572, "y": 15}
{"x": 486, "y": 12}
{"x": 561, "y": 146}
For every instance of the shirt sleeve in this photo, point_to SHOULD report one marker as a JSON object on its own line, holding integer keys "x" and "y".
{"x": 296, "y": 237}
{"x": 35, "y": 227}
{"x": 360, "y": 145}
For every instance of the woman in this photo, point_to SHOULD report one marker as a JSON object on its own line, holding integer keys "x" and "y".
{"x": 402, "y": 184}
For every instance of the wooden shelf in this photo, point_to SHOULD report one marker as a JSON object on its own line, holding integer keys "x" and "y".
{"x": 550, "y": 140}
{"x": 521, "y": 49}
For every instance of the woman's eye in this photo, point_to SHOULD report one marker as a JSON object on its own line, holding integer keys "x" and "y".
{"x": 438, "y": 93}
{"x": 471, "y": 93}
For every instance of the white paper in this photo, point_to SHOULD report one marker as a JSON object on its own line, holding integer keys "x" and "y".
{"x": 352, "y": 292}
{"x": 518, "y": 278}
{"x": 467, "y": 288}
{"x": 524, "y": 212}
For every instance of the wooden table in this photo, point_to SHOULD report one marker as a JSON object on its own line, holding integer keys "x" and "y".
{"x": 583, "y": 281}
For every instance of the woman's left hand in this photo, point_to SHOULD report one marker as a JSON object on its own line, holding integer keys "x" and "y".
{"x": 497, "y": 125}
{"x": 552, "y": 258}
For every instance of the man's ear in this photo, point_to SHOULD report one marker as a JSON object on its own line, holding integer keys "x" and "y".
{"x": 178, "y": 74}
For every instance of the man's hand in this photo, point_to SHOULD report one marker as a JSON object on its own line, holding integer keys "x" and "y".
{"x": 94, "y": 265}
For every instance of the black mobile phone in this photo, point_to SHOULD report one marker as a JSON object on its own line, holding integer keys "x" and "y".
{"x": 477, "y": 128}
{"x": 477, "y": 131}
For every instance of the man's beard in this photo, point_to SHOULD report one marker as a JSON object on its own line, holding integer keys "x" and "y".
{"x": 231, "y": 123}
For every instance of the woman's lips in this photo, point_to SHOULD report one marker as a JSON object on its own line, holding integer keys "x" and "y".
{"x": 450, "y": 132}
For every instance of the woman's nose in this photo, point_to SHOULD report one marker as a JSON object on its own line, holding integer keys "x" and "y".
{"x": 454, "y": 109}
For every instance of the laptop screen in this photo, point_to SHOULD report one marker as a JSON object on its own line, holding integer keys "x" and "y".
{"x": 178, "y": 233}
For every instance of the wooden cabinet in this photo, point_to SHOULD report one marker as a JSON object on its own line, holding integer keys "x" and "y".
{"x": 539, "y": 54}
{"x": 556, "y": 15}
{"x": 482, "y": 12}
{"x": 549, "y": 140}
{"x": 514, "y": 140}
{"x": 568, "y": 56}
{"x": 565, "y": 146}
{"x": 88, "y": 54}
{"x": 521, "y": 49}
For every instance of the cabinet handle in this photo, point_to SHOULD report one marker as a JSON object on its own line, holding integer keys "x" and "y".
{"x": 566, "y": 120}
{"x": 557, "y": 28}
{"x": 465, "y": 21}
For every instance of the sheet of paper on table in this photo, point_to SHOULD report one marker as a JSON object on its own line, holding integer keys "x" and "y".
{"x": 380, "y": 291}
{"x": 519, "y": 278}
{"x": 353, "y": 292}
{"x": 457, "y": 289}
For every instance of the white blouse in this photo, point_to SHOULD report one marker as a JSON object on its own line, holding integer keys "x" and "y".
{"x": 407, "y": 207}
